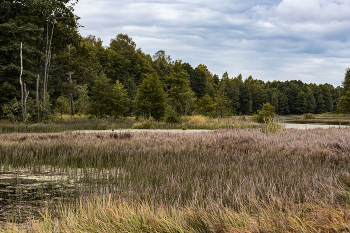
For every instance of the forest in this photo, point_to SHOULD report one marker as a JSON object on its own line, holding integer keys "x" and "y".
{"x": 48, "y": 69}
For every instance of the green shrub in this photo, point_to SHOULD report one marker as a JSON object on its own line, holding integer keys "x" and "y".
{"x": 148, "y": 124}
{"x": 171, "y": 116}
{"x": 267, "y": 112}
{"x": 307, "y": 116}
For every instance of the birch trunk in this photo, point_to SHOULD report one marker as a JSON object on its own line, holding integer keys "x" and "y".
{"x": 47, "y": 59}
{"x": 20, "y": 81}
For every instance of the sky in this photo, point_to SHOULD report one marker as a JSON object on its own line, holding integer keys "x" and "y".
{"x": 307, "y": 40}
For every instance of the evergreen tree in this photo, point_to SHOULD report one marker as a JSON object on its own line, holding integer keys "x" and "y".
{"x": 245, "y": 97}
{"x": 206, "y": 106}
{"x": 197, "y": 82}
{"x": 180, "y": 95}
{"x": 150, "y": 98}
{"x": 301, "y": 103}
{"x": 82, "y": 103}
{"x": 102, "y": 100}
{"x": 120, "y": 99}
{"x": 283, "y": 107}
{"x": 344, "y": 101}
{"x": 223, "y": 105}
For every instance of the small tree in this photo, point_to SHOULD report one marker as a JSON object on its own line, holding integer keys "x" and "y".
{"x": 344, "y": 103}
{"x": 102, "y": 100}
{"x": 180, "y": 95}
{"x": 119, "y": 99}
{"x": 82, "y": 102}
{"x": 150, "y": 98}
{"x": 206, "y": 106}
{"x": 62, "y": 106}
{"x": 267, "y": 112}
{"x": 171, "y": 115}
{"x": 223, "y": 105}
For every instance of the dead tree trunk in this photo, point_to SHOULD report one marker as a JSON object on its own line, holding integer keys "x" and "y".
{"x": 24, "y": 93}
{"x": 47, "y": 59}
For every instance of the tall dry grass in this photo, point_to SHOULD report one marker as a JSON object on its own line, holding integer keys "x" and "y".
{"x": 245, "y": 173}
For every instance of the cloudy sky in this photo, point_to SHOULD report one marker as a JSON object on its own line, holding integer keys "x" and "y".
{"x": 268, "y": 39}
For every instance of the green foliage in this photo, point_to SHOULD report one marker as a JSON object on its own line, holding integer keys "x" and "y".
{"x": 223, "y": 105}
{"x": 344, "y": 101}
{"x": 120, "y": 99}
{"x": 150, "y": 98}
{"x": 206, "y": 106}
{"x": 62, "y": 105}
{"x": 12, "y": 110}
{"x": 171, "y": 115}
{"x": 82, "y": 103}
{"x": 44, "y": 109}
{"x": 101, "y": 97}
{"x": 301, "y": 103}
{"x": 308, "y": 116}
{"x": 107, "y": 99}
{"x": 180, "y": 95}
{"x": 197, "y": 81}
{"x": 147, "y": 124}
{"x": 273, "y": 127}
{"x": 267, "y": 112}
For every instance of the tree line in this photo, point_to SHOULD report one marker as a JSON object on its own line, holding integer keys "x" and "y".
{"x": 48, "y": 67}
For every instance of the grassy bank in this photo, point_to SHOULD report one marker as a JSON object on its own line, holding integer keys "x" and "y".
{"x": 74, "y": 124}
{"x": 234, "y": 179}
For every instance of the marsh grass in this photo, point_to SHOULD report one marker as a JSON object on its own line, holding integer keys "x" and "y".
{"x": 235, "y": 179}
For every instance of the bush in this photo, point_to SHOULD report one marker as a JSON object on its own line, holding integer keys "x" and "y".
{"x": 266, "y": 113}
{"x": 148, "y": 124}
{"x": 307, "y": 116}
{"x": 198, "y": 119}
{"x": 171, "y": 116}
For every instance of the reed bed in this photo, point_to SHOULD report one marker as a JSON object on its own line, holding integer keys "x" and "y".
{"x": 108, "y": 215}
{"x": 237, "y": 179}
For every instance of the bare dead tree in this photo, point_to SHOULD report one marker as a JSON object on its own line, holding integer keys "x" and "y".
{"x": 24, "y": 92}
{"x": 47, "y": 59}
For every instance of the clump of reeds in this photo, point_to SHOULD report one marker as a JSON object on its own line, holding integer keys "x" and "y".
{"x": 273, "y": 126}
{"x": 108, "y": 215}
